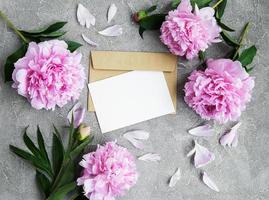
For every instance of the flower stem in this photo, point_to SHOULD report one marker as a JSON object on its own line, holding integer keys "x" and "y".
{"x": 217, "y": 4}
{"x": 241, "y": 40}
{"x": 11, "y": 26}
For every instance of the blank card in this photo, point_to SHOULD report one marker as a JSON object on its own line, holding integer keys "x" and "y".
{"x": 130, "y": 98}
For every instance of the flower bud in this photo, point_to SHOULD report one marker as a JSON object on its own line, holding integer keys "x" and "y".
{"x": 139, "y": 15}
{"x": 84, "y": 132}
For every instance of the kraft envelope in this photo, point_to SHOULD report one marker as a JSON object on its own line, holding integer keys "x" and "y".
{"x": 105, "y": 64}
{"x": 130, "y": 98}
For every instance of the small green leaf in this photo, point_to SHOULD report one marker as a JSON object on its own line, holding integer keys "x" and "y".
{"x": 220, "y": 9}
{"x": 57, "y": 153}
{"x": 22, "y": 154}
{"x": 151, "y": 9}
{"x": 73, "y": 46}
{"x": 62, "y": 191}
{"x": 229, "y": 40}
{"x": 31, "y": 146}
{"x": 201, "y": 3}
{"x": 46, "y": 35}
{"x": 49, "y": 29}
{"x": 175, "y": 4}
{"x": 43, "y": 183}
{"x": 202, "y": 55}
{"x": 247, "y": 55}
{"x": 141, "y": 31}
{"x": 248, "y": 70}
{"x": 225, "y": 27}
{"x": 152, "y": 22}
{"x": 11, "y": 59}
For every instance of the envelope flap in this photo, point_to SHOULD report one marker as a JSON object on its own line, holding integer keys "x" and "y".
{"x": 109, "y": 60}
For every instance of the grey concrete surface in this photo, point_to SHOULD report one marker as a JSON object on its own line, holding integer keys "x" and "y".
{"x": 241, "y": 173}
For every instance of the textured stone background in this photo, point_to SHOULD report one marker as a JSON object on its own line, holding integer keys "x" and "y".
{"x": 241, "y": 173}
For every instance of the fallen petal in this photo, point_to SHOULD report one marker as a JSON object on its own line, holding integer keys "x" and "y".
{"x": 191, "y": 152}
{"x": 175, "y": 178}
{"x": 202, "y": 131}
{"x": 209, "y": 182}
{"x": 112, "y": 31}
{"x": 230, "y": 138}
{"x": 136, "y": 143}
{"x": 137, "y": 134}
{"x": 85, "y": 18}
{"x": 202, "y": 156}
{"x": 150, "y": 157}
{"x": 111, "y": 12}
{"x": 89, "y": 41}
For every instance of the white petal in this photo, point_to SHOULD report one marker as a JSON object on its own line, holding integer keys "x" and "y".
{"x": 89, "y": 41}
{"x": 136, "y": 143}
{"x": 191, "y": 152}
{"x": 230, "y": 138}
{"x": 209, "y": 182}
{"x": 202, "y": 156}
{"x": 111, "y": 12}
{"x": 85, "y": 18}
{"x": 150, "y": 157}
{"x": 205, "y": 130}
{"x": 137, "y": 134}
{"x": 175, "y": 178}
{"x": 112, "y": 31}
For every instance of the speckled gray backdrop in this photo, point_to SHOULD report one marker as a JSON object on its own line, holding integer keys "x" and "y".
{"x": 241, "y": 173}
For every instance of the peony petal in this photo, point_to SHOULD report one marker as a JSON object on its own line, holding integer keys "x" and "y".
{"x": 112, "y": 31}
{"x": 137, "y": 134}
{"x": 230, "y": 138}
{"x": 175, "y": 178}
{"x": 89, "y": 41}
{"x": 85, "y": 18}
{"x": 111, "y": 12}
{"x": 78, "y": 113}
{"x": 150, "y": 157}
{"x": 191, "y": 152}
{"x": 136, "y": 143}
{"x": 204, "y": 131}
{"x": 209, "y": 182}
{"x": 185, "y": 6}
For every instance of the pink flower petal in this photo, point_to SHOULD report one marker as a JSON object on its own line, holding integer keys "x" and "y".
{"x": 209, "y": 182}
{"x": 185, "y": 6}
{"x": 137, "y": 134}
{"x": 150, "y": 157}
{"x": 230, "y": 138}
{"x": 202, "y": 131}
{"x": 112, "y": 31}
{"x": 136, "y": 143}
{"x": 78, "y": 113}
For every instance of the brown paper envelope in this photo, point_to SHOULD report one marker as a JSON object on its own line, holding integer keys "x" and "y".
{"x": 105, "y": 64}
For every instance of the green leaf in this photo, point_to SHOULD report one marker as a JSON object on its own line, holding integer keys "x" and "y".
{"x": 22, "y": 154}
{"x": 229, "y": 40}
{"x": 248, "y": 70}
{"x": 225, "y": 27}
{"x": 247, "y": 55}
{"x": 202, "y": 55}
{"x": 57, "y": 153}
{"x": 68, "y": 173}
{"x": 11, "y": 59}
{"x": 141, "y": 31}
{"x": 49, "y": 29}
{"x": 41, "y": 145}
{"x": 43, "y": 183}
{"x": 201, "y": 3}
{"x": 46, "y": 35}
{"x": 73, "y": 46}
{"x": 151, "y": 9}
{"x": 220, "y": 9}
{"x": 62, "y": 191}
{"x": 152, "y": 22}
{"x": 80, "y": 147}
{"x": 175, "y": 4}
{"x": 31, "y": 146}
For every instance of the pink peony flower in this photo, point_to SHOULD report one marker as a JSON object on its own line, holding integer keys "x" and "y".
{"x": 186, "y": 33}
{"x": 221, "y": 92}
{"x": 108, "y": 172}
{"x": 49, "y": 74}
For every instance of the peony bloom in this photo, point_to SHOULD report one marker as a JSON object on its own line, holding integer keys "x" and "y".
{"x": 108, "y": 172}
{"x": 186, "y": 32}
{"x": 221, "y": 92}
{"x": 49, "y": 74}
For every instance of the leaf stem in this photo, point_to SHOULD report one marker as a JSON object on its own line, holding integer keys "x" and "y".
{"x": 241, "y": 40}
{"x": 11, "y": 26}
{"x": 217, "y": 4}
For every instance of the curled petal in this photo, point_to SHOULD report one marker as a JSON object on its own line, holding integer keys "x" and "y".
{"x": 111, "y": 12}
{"x": 205, "y": 130}
{"x": 230, "y": 138}
{"x": 112, "y": 31}
{"x": 175, "y": 178}
{"x": 89, "y": 41}
{"x": 150, "y": 157}
{"x": 202, "y": 156}
{"x": 209, "y": 182}
{"x": 78, "y": 113}
{"x": 137, "y": 134}
{"x": 136, "y": 143}
{"x": 85, "y": 18}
